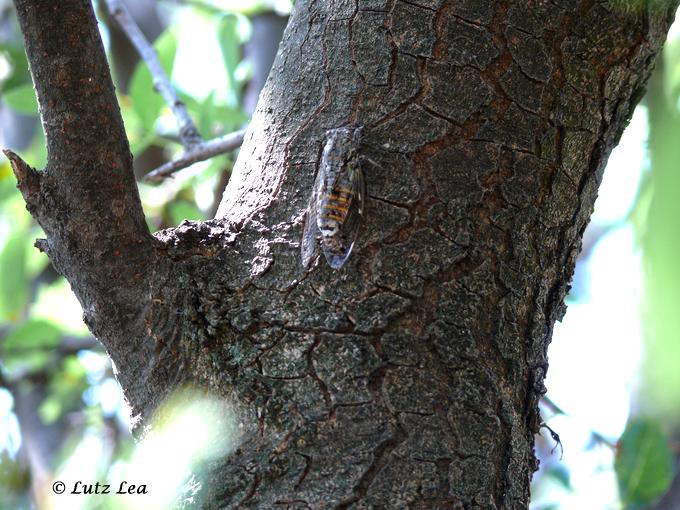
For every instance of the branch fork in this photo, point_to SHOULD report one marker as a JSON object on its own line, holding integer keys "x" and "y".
{"x": 195, "y": 148}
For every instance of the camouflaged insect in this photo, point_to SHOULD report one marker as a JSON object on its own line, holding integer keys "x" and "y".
{"x": 336, "y": 204}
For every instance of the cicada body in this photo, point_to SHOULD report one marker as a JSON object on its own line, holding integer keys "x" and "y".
{"x": 336, "y": 204}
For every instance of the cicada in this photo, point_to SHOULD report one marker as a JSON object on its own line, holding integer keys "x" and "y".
{"x": 336, "y": 205}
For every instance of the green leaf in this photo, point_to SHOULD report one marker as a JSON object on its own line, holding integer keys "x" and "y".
{"x": 138, "y": 136}
{"x": 31, "y": 361}
{"x": 66, "y": 390}
{"x": 13, "y": 284}
{"x": 643, "y": 463}
{"x": 50, "y": 410}
{"x": 561, "y": 475}
{"x": 36, "y": 261}
{"x": 212, "y": 117}
{"x": 182, "y": 210}
{"x": 37, "y": 333}
{"x": 36, "y": 153}
{"x": 22, "y": 99}
{"x": 74, "y": 372}
{"x": 16, "y": 57}
{"x": 145, "y": 100}
{"x": 15, "y": 482}
{"x": 8, "y": 186}
{"x": 206, "y": 115}
{"x": 139, "y": 144}
{"x": 28, "y": 347}
{"x": 659, "y": 207}
{"x": 230, "y": 44}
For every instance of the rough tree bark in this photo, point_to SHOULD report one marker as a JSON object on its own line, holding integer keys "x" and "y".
{"x": 410, "y": 378}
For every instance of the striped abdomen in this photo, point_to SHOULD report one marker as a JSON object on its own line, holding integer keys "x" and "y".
{"x": 333, "y": 209}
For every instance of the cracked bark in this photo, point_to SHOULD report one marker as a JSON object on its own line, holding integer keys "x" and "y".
{"x": 411, "y": 377}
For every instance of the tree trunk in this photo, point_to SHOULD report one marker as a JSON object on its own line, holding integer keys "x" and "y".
{"x": 411, "y": 376}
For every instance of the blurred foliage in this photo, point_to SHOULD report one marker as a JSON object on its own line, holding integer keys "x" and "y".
{"x": 249, "y": 7}
{"x": 39, "y": 316}
{"x": 643, "y": 464}
{"x": 14, "y": 482}
{"x": 657, "y": 218}
{"x": 144, "y": 107}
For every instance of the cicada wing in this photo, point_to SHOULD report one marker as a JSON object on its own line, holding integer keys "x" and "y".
{"x": 311, "y": 228}
{"x": 349, "y": 229}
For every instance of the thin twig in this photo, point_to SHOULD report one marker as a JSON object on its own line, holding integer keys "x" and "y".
{"x": 188, "y": 132}
{"x": 195, "y": 149}
{"x": 200, "y": 152}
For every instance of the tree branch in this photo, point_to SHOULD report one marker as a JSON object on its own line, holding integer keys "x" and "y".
{"x": 87, "y": 200}
{"x": 89, "y": 178}
{"x": 200, "y": 152}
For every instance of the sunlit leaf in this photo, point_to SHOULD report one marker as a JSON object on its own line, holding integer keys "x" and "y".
{"x": 7, "y": 182}
{"x": 22, "y": 99}
{"x": 15, "y": 481}
{"x": 141, "y": 143}
{"x": 5, "y": 170}
{"x": 14, "y": 283}
{"x": 57, "y": 304}
{"x": 25, "y": 362}
{"x": 660, "y": 376}
{"x": 230, "y": 44}
{"x": 73, "y": 371}
{"x": 213, "y": 118}
{"x": 16, "y": 57}
{"x": 32, "y": 334}
{"x": 182, "y": 210}
{"x": 671, "y": 55}
{"x": 207, "y": 110}
{"x": 643, "y": 463}
{"x": 50, "y": 410}
{"x": 66, "y": 390}
{"x": 36, "y": 153}
{"x": 138, "y": 136}
{"x": 145, "y": 100}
